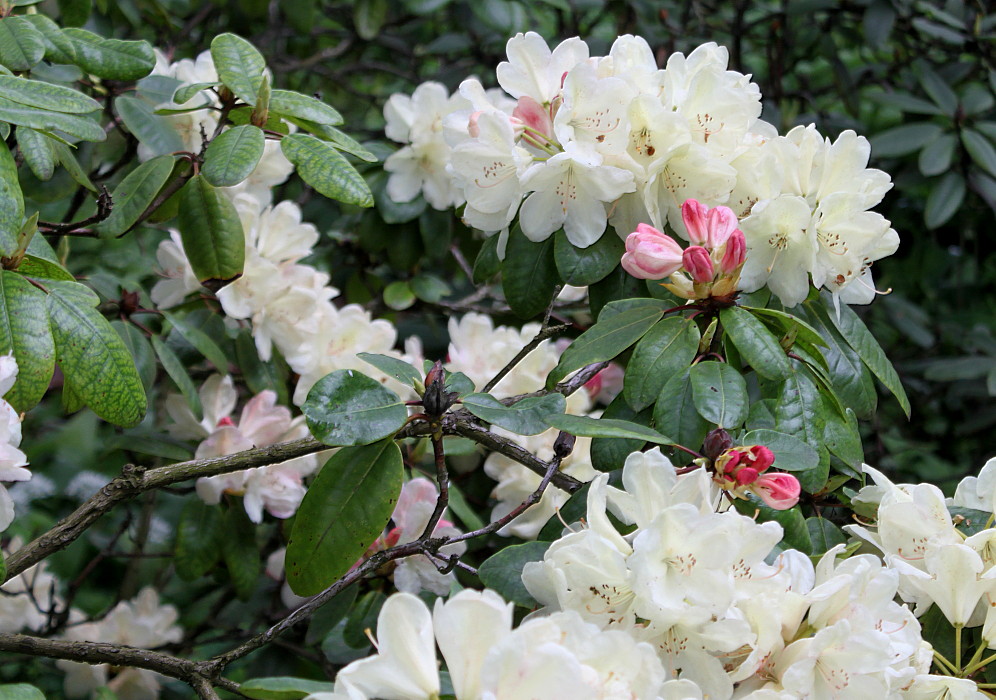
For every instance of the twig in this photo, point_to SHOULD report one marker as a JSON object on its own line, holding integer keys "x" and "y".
{"x": 545, "y": 332}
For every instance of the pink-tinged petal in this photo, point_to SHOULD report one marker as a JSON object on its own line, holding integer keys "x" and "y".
{"x": 651, "y": 254}
{"x": 532, "y": 114}
{"x": 779, "y": 491}
{"x": 721, "y": 222}
{"x": 698, "y": 264}
{"x": 735, "y": 253}
{"x": 693, "y": 214}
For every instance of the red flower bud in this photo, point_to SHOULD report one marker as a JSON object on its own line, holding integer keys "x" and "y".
{"x": 698, "y": 264}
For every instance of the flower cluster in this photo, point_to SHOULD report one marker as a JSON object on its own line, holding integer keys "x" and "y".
{"x": 695, "y": 603}
{"x": 12, "y": 460}
{"x": 741, "y": 470}
{"x": 578, "y": 141}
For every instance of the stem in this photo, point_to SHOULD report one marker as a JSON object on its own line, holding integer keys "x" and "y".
{"x": 946, "y": 665}
{"x": 957, "y": 662}
{"x": 975, "y": 659}
{"x": 973, "y": 667}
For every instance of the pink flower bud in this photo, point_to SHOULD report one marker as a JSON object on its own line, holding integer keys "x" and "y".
{"x": 708, "y": 227}
{"x": 735, "y": 253}
{"x": 650, "y": 254}
{"x": 698, "y": 263}
{"x": 761, "y": 457}
{"x": 779, "y": 491}
{"x": 745, "y": 476}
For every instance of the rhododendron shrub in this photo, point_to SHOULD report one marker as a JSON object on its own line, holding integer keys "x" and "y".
{"x": 631, "y": 413}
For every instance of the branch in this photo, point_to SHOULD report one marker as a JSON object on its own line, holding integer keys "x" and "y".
{"x": 78, "y": 228}
{"x": 544, "y": 332}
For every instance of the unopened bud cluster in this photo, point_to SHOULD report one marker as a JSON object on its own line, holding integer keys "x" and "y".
{"x": 710, "y": 267}
{"x": 740, "y": 470}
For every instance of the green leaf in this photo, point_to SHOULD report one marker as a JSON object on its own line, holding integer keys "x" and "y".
{"x": 969, "y": 521}
{"x": 607, "y": 338}
{"x": 44, "y": 120}
{"x": 25, "y": 333}
{"x": 327, "y": 617}
{"x": 153, "y": 131}
{"x": 792, "y": 324}
{"x": 35, "y": 93}
{"x": 349, "y": 408}
{"x": 212, "y": 233}
{"x": 200, "y": 340}
{"x": 19, "y": 691}
{"x": 135, "y": 194}
{"x": 487, "y": 263}
{"x": 429, "y": 288}
{"x": 398, "y": 295}
{"x": 347, "y": 143}
{"x": 586, "y": 426}
{"x": 502, "y": 572}
{"x": 199, "y": 536}
{"x": 980, "y": 149}
{"x": 240, "y": 66}
{"x": 756, "y": 344}
{"x": 141, "y": 352}
{"x": 905, "y": 139}
{"x": 72, "y": 166}
{"x": 283, "y": 688}
{"x": 240, "y": 551}
{"x": 800, "y": 411}
{"x": 791, "y": 453}
{"x": 344, "y": 511}
{"x": 672, "y": 414}
{"x": 369, "y": 17}
{"x": 843, "y": 439}
{"x": 294, "y": 104}
{"x": 11, "y": 203}
{"x": 938, "y": 89}
{"x": 92, "y": 356}
{"x": 59, "y": 48}
{"x": 21, "y": 45}
{"x": 325, "y": 169}
{"x": 944, "y": 200}
{"x": 936, "y": 157}
{"x": 719, "y": 393}
{"x": 112, "y": 59}
{"x": 860, "y": 338}
{"x": 399, "y": 369}
{"x": 849, "y": 376}
{"x": 583, "y": 266}
{"x": 608, "y": 454}
{"x": 231, "y": 157}
{"x": 176, "y": 371}
{"x": 185, "y": 93}
{"x": 667, "y": 349}
{"x": 906, "y": 102}
{"x": 528, "y": 274}
{"x": 525, "y": 417}
{"x": 37, "y": 152}
{"x": 823, "y": 534}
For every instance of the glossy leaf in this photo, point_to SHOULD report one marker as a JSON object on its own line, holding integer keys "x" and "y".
{"x": 349, "y": 408}
{"x": 980, "y": 149}
{"x": 487, "y": 263}
{"x": 851, "y": 379}
{"x": 113, "y": 59}
{"x": 44, "y": 120}
{"x": 757, "y": 346}
{"x": 345, "y": 509}
{"x": 212, "y": 233}
{"x": 240, "y": 66}
{"x": 59, "y": 48}
{"x": 135, "y": 194}
{"x": 24, "y": 332}
{"x": 294, "y": 104}
{"x": 200, "y": 340}
{"x": 719, "y": 393}
{"x": 666, "y": 349}
{"x": 92, "y": 356}
{"x": 240, "y": 551}
{"x": 583, "y": 266}
{"x": 673, "y": 414}
{"x": 502, "y": 572}
{"x": 19, "y": 691}
{"x": 824, "y": 535}
{"x": 528, "y": 274}
{"x": 325, "y": 169}
{"x": 72, "y": 166}
{"x": 586, "y": 426}
{"x": 843, "y": 439}
{"x": 231, "y": 157}
{"x": 399, "y": 369}
{"x": 524, "y": 417}
{"x": 21, "y": 45}
{"x": 791, "y": 324}
{"x": 608, "y": 454}
{"x": 791, "y": 453}
{"x": 199, "y": 536}
{"x": 11, "y": 203}
{"x": 185, "y": 93}
{"x": 799, "y": 411}
{"x": 345, "y": 142}
{"x": 606, "y": 339}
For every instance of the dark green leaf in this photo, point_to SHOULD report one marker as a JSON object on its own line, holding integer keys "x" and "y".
{"x": 349, "y": 408}
{"x": 905, "y": 139}
{"x": 344, "y": 511}
{"x": 330, "y": 615}
{"x": 968, "y": 520}
{"x": 906, "y": 102}
{"x": 282, "y": 688}
{"x": 176, "y": 371}
{"x": 135, "y": 193}
{"x": 583, "y": 266}
{"x": 212, "y": 233}
{"x": 608, "y": 454}
{"x": 141, "y": 352}
{"x": 369, "y": 17}
{"x": 528, "y": 274}
{"x": 586, "y": 426}
{"x": 667, "y": 349}
{"x": 607, "y": 338}
{"x": 294, "y": 104}
{"x": 81, "y": 127}
{"x": 35, "y": 93}
{"x": 399, "y": 369}
{"x": 240, "y": 551}
{"x": 980, "y": 149}
{"x": 231, "y": 157}
{"x": 791, "y": 453}
{"x": 200, "y": 340}
{"x": 791, "y": 324}
{"x": 11, "y": 203}
{"x": 240, "y": 66}
{"x": 502, "y": 572}
{"x": 938, "y": 89}
{"x": 757, "y": 346}
{"x": 21, "y": 45}
{"x": 113, "y": 59}
{"x": 936, "y": 157}
{"x": 824, "y": 534}
{"x": 851, "y": 379}
{"x": 719, "y": 393}
{"x": 198, "y": 539}
{"x": 155, "y": 132}
{"x": 72, "y": 166}
{"x": 37, "y": 151}
{"x": 325, "y": 169}
{"x": 487, "y": 264}
{"x": 800, "y": 411}
{"x": 673, "y": 414}
{"x": 92, "y": 356}
{"x": 59, "y": 48}
{"x": 25, "y": 333}
{"x": 844, "y": 440}
{"x": 525, "y": 417}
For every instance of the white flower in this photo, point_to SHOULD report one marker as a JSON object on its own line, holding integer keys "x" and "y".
{"x": 180, "y": 279}
{"x": 594, "y": 111}
{"x": 781, "y": 249}
{"x": 27, "y": 599}
{"x": 532, "y": 70}
{"x": 466, "y": 627}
